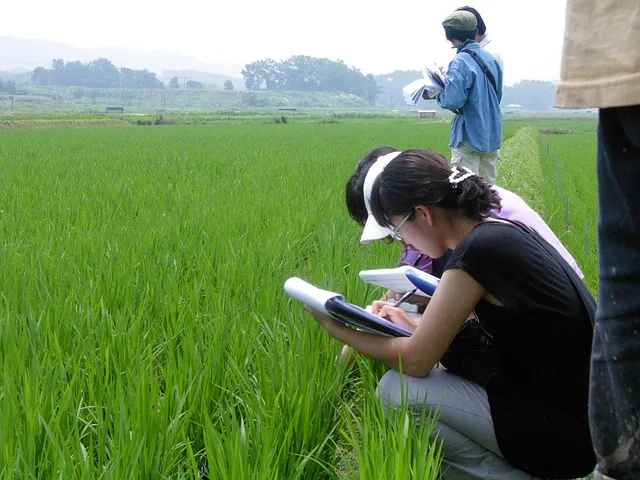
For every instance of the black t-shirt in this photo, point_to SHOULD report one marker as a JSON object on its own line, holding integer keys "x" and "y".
{"x": 537, "y": 348}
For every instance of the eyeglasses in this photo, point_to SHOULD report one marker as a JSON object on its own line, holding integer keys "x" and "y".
{"x": 395, "y": 232}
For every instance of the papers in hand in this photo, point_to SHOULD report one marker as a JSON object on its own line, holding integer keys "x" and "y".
{"x": 334, "y": 304}
{"x": 432, "y": 82}
{"x": 402, "y": 280}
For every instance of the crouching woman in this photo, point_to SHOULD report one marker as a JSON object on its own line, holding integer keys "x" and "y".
{"x": 510, "y": 323}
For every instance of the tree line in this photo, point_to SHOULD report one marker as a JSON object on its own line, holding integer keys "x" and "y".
{"x": 297, "y": 73}
{"x": 305, "y": 73}
{"x": 99, "y": 73}
{"x": 7, "y": 86}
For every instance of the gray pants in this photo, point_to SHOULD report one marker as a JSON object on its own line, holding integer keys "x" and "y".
{"x": 484, "y": 164}
{"x": 469, "y": 445}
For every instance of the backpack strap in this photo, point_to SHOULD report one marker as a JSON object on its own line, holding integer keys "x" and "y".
{"x": 484, "y": 68}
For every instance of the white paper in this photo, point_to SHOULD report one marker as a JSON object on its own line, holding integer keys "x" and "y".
{"x": 432, "y": 82}
{"x": 395, "y": 279}
{"x": 306, "y": 293}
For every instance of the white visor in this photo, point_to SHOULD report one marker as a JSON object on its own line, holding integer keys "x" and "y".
{"x": 372, "y": 229}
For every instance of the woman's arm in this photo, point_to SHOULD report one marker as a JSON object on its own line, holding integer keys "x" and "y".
{"x": 454, "y": 299}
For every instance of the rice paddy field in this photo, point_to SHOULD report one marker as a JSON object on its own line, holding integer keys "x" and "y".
{"x": 144, "y": 330}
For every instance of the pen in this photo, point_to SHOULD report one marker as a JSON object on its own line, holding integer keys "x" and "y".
{"x": 405, "y": 297}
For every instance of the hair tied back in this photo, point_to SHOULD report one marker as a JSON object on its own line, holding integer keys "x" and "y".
{"x": 457, "y": 176}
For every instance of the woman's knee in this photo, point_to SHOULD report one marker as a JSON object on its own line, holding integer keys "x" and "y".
{"x": 394, "y": 389}
{"x": 390, "y": 389}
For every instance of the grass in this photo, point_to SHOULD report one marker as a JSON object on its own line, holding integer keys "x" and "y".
{"x": 519, "y": 168}
{"x": 569, "y": 165}
{"x": 145, "y": 332}
{"x": 556, "y": 175}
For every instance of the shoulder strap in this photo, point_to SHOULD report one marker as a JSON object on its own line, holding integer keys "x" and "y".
{"x": 484, "y": 68}
{"x": 587, "y": 299}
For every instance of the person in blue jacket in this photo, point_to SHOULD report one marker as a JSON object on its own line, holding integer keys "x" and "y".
{"x": 473, "y": 91}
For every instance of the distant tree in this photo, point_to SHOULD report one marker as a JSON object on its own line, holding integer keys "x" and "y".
{"x": 131, "y": 78}
{"x": 57, "y": 64}
{"x": 305, "y": 73}
{"x": 99, "y": 73}
{"x": 390, "y": 87}
{"x": 174, "y": 83}
{"x": 267, "y": 72}
{"x": 41, "y": 76}
{"x": 193, "y": 85}
{"x": 22, "y": 77}
{"x": 253, "y": 76}
{"x": 228, "y": 85}
{"x": 75, "y": 73}
{"x": 534, "y": 95}
{"x": 370, "y": 91}
{"x": 8, "y": 86}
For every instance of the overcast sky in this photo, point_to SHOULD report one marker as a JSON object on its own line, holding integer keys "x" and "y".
{"x": 376, "y": 37}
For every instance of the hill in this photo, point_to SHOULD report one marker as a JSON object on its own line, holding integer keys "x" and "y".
{"x": 28, "y": 53}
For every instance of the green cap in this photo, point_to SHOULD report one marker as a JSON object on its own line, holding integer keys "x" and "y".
{"x": 461, "y": 20}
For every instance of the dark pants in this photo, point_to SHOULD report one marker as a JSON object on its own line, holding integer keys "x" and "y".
{"x": 614, "y": 403}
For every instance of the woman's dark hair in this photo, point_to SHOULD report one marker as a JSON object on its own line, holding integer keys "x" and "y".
{"x": 421, "y": 177}
{"x": 354, "y": 191}
{"x": 462, "y": 35}
{"x": 482, "y": 28}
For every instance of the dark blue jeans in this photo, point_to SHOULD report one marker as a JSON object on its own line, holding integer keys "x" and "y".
{"x": 614, "y": 401}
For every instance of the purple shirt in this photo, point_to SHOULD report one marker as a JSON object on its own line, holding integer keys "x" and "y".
{"x": 513, "y": 208}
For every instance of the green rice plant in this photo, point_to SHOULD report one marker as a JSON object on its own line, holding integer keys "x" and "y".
{"x": 144, "y": 330}
{"x": 519, "y": 167}
{"x": 571, "y": 197}
{"x": 377, "y": 445}
{"x": 556, "y": 176}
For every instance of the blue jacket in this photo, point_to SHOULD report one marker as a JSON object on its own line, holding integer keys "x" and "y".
{"x": 468, "y": 89}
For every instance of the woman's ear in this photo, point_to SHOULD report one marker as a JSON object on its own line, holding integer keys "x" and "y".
{"x": 426, "y": 213}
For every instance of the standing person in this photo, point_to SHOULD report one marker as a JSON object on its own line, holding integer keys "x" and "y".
{"x": 473, "y": 90}
{"x": 606, "y": 74}
{"x": 482, "y": 37}
{"x": 512, "y": 401}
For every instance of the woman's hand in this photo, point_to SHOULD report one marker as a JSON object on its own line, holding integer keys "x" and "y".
{"x": 390, "y": 296}
{"x": 393, "y": 297}
{"x": 394, "y": 314}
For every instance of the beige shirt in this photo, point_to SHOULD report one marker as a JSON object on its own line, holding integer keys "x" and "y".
{"x": 601, "y": 57}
